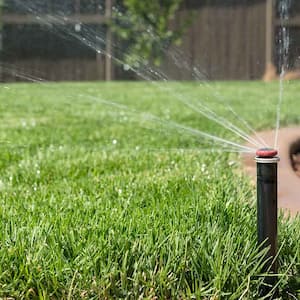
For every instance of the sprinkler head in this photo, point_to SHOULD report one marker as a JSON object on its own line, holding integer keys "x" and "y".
{"x": 266, "y": 153}
{"x": 267, "y": 207}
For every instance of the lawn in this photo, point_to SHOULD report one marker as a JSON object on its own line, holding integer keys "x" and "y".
{"x": 103, "y": 195}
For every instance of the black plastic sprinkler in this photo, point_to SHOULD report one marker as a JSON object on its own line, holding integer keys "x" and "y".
{"x": 267, "y": 161}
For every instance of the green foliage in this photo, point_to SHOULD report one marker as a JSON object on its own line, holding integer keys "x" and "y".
{"x": 145, "y": 26}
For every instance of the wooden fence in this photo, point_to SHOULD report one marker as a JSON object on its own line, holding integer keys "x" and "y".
{"x": 232, "y": 41}
{"x": 97, "y": 67}
{"x": 224, "y": 42}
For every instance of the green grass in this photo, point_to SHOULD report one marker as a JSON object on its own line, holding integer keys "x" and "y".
{"x": 99, "y": 201}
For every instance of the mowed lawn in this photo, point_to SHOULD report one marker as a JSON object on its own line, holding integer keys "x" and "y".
{"x": 104, "y": 196}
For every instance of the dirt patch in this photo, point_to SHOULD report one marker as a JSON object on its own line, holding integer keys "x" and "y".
{"x": 288, "y": 167}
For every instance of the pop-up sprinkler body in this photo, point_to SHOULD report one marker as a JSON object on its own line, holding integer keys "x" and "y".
{"x": 267, "y": 161}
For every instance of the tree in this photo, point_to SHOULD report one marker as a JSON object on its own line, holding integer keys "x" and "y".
{"x": 145, "y": 28}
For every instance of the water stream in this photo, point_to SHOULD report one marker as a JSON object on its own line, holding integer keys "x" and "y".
{"x": 283, "y": 49}
{"x": 95, "y": 40}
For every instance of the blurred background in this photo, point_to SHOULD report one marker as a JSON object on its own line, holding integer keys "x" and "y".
{"x": 88, "y": 40}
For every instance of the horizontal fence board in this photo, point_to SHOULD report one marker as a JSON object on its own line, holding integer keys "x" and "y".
{"x": 59, "y": 70}
{"x": 48, "y": 19}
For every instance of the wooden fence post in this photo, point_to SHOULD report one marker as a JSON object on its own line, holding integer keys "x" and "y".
{"x": 108, "y": 56}
{"x": 270, "y": 12}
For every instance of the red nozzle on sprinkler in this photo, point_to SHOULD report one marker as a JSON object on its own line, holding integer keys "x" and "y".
{"x": 266, "y": 153}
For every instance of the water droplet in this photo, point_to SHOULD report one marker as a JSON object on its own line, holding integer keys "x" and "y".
{"x": 1, "y": 184}
{"x": 77, "y": 27}
{"x": 126, "y": 67}
{"x": 231, "y": 163}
